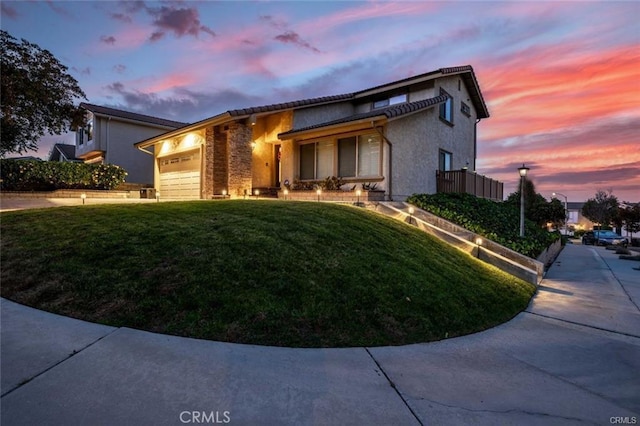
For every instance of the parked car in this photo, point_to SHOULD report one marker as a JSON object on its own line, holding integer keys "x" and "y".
{"x": 603, "y": 238}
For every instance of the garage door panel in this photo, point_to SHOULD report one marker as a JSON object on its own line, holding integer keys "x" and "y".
{"x": 180, "y": 176}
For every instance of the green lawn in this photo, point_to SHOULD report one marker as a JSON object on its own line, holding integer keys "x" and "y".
{"x": 264, "y": 272}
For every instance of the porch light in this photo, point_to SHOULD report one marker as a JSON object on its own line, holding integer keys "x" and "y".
{"x": 83, "y": 197}
{"x": 253, "y": 145}
{"x": 319, "y": 193}
{"x": 523, "y": 173}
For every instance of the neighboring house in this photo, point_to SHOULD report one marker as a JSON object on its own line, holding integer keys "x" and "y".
{"x": 397, "y": 135}
{"x": 110, "y": 134}
{"x": 63, "y": 152}
{"x": 575, "y": 219}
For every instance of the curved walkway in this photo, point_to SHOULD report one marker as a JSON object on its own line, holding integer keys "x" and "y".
{"x": 573, "y": 357}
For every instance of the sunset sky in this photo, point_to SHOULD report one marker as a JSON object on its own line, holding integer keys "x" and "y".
{"x": 561, "y": 79}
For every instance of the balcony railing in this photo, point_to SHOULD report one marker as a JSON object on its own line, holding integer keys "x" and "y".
{"x": 466, "y": 182}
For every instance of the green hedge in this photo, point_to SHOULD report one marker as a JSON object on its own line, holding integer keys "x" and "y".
{"x": 496, "y": 221}
{"x": 20, "y": 175}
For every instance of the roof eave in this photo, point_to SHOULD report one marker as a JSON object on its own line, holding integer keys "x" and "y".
{"x": 212, "y": 121}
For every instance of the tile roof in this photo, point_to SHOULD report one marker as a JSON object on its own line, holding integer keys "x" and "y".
{"x": 97, "y": 109}
{"x": 290, "y": 105}
{"x": 389, "y": 112}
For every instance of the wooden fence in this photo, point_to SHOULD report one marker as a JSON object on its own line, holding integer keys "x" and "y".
{"x": 464, "y": 181}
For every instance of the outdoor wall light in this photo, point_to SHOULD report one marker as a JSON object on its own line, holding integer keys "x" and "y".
{"x": 83, "y": 196}
{"x": 319, "y": 192}
{"x": 253, "y": 145}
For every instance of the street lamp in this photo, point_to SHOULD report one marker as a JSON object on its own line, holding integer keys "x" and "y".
{"x": 523, "y": 174}
{"x": 566, "y": 211}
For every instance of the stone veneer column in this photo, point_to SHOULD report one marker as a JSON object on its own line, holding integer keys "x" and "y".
{"x": 208, "y": 165}
{"x": 239, "y": 159}
{"x": 220, "y": 161}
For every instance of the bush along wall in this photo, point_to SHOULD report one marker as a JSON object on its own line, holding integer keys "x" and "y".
{"x": 496, "y": 221}
{"x": 20, "y": 175}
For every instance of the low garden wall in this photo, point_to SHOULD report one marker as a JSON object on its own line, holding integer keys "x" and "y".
{"x": 512, "y": 262}
{"x": 339, "y": 196}
{"x": 70, "y": 193}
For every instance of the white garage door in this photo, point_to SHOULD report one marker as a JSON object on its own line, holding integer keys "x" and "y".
{"x": 180, "y": 175}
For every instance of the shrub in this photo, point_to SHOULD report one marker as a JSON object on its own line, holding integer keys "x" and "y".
{"x": 20, "y": 175}
{"x": 496, "y": 221}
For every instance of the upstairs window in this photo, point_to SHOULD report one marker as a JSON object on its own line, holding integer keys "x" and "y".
{"x": 446, "y": 108}
{"x": 394, "y": 100}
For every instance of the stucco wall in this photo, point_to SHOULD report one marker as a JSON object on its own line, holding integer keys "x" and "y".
{"x": 117, "y": 138}
{"x": 321, "y": 114}
{"x": 418, "y": 138}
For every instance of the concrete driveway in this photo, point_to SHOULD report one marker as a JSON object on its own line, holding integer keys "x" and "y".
{"x": 573, "y": 357}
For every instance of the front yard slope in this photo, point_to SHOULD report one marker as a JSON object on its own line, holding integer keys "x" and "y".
{"x": 263, "y": 272}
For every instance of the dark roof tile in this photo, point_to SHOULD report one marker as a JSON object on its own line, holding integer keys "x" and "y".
{"x": 132, "y": 116}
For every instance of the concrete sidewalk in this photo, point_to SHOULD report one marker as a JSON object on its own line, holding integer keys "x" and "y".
{"x": 573, "y": 357}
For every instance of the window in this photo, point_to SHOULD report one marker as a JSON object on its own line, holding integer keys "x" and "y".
{"x": 465, "y": 109}
{"x": 357, "y": 156}
{"x": 369, "y": 155}
{"x": 347, "y": 157}
{"x": 445, "y": 161}
{"x": 307, "y": 161}
{"x": 324, "y": 159}
{"x": 398, "y": 99}
{"x": 89, "y": 127}
{"x": 446, "y": 108}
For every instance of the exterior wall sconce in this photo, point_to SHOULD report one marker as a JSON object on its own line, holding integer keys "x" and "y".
{"x": 319, "y": 193}
{"x": 83, "y": 197}
{"x": 253, "y": 145}
{"x": 523, "y": 175}
{"x": 253, "y": 119}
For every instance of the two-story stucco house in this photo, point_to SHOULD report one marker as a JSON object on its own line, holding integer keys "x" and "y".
{"x": 397, "y": 135}
{"x": 109, "y": 135}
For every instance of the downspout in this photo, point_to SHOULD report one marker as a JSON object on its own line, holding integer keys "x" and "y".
{"x": 475, "y": 143}
{"x": 390, "y": 158}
